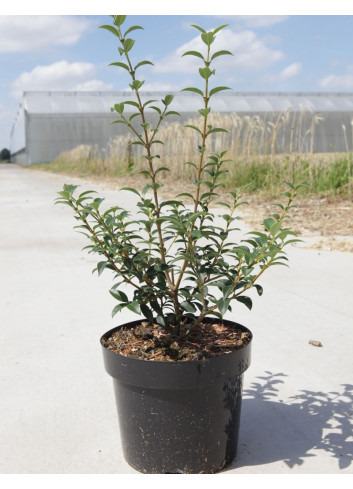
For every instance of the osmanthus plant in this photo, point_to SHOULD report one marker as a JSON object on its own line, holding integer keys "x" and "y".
{"x": 176, "y": 258}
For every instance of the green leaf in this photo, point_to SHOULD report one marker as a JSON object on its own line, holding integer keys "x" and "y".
{"x": 160, "y": 321}
{"x": 259, "y": 289}
{"x": 205, "y": 72}
{"x": 245, "y": 300}
{"x": 192, "y": 89}
{"x": 146, "y": 311}
{"x": 119, "y": 108}
{"x": 217, "y": 89}
{"x": 168, "y": 100}
{"x": 194, "y": 53}
{"x": 128, "y": 44}
{"x": 185, "y": 194}
{"x": 198, "y": 27}
{"x": 136, "y": 84}
{"x": 119, "y": 295}
{"x": 190, "y": 163}
{"x": 268, "y": 223}
{"x": 117, "y": 309}
{"x": 119, "y": 121}
{"x": 110, "y": 28}
{"x": 134, "y": 115}
{"x": 172, "y": 112}
{"x": 205, "y": 112}
{"x": 70, "y": 188}
{"x": 220, "y": 53}
{"x": 134, "y": 307}
{"x": 101, "y": 266}
{"x": 207, "y": 38}
{"x": 141, "y": 63}
{"x": 132, "y": 28}
{"x": 219, "y": 28}
{"x": 130, "y": 189}
{"x": 275, "y": 228}
{"x": 216, "y": 129}
{"x": 119, "y": 19}
{"x": 132, "y": 102}
{"x": 194, "y": 127}
{"x": 121, "y": 65}
{"x": 223, "y": 305}
{"x": 162, "y": 168}
{"x": 188, "y": 306}
{"x": 157, "y": 109}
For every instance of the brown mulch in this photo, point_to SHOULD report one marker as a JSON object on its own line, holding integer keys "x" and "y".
{"x": 149, "y": 342}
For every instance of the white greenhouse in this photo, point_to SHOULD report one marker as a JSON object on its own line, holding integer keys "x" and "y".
{"x": 49, "y": 123}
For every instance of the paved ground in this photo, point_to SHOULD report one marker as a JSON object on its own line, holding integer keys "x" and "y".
{"x": 57, "y": 406}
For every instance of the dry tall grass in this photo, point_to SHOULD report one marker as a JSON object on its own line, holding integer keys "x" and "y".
{"x": 265, "y": 152}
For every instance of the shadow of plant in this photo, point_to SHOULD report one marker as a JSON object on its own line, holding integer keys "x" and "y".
{"x": 273, "y": 430}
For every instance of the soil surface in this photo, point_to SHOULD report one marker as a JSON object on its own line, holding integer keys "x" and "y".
{"x": 322, "y": 223}
{"x": 149, "y": 342}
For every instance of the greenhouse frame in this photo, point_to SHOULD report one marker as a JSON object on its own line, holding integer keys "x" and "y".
{"x": 49, "y": 123}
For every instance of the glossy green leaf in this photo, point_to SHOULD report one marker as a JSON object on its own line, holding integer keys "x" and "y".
{"x": 223, "y": 305}
{"x": 245, "y": 300}
{"x": 119, "y": 295}
{"x": 101, "y": 266}
{"x": 134, "y": 307}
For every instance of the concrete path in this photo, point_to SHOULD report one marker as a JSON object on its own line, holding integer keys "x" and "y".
{"x": 57, "y": 406}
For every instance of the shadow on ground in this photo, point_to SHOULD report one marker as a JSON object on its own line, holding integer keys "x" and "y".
{"x": 273, "y": 430}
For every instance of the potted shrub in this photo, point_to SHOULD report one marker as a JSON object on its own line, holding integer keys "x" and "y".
{"x": 178, "y": 369}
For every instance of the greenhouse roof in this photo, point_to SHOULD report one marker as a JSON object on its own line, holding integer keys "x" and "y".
{"x": 101, "y": 102}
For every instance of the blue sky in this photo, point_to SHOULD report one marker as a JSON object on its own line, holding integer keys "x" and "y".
{"x": 272, "y": 52}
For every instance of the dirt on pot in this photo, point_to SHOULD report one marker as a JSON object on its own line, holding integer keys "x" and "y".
{"x": 149, "y": 342}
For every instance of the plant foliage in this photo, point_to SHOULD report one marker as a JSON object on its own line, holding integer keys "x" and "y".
{"x": 175, "y": 263}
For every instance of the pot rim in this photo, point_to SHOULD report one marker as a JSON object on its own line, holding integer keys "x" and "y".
{"x": 131, "y": 324}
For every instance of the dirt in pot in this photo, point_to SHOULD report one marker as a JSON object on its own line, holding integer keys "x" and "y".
{"x": 149, "y": 342}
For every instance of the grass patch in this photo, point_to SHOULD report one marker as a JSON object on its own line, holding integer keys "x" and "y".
{"x": 326, "y": 174}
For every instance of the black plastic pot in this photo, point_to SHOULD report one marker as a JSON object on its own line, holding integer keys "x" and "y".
{"x": 178, "y": 417}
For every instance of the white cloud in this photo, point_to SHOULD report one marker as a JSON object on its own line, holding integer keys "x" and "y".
{"x": 24, "y": 33}
{"x": 290, "y": 71}
{"x": 59, "y": 76}
{"x": 92, "y": 86}
{"x": 250, "y": 54}
{"x": 337, "y": 82}
{"x": 255, "y": 21}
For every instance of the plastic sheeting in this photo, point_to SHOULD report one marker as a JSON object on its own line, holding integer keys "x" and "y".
{"x": 49, "y": 123}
